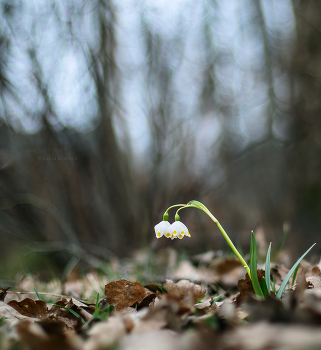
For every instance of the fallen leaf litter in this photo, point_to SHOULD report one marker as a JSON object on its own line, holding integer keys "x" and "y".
{"x": 172, "y": 315}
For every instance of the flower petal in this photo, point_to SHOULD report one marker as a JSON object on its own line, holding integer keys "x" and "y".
{"x": 158, "y": 230}
{"x": 163, "y": 228}
{"x": 167, "y": 229}
{"x": 179, "y": 230}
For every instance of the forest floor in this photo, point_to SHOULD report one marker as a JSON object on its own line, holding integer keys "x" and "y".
{"x": 162, "y": 301}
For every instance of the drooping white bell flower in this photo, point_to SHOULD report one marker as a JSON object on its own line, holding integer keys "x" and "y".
{"x": 164, "y": 228}
{"x": 179, "y": 230}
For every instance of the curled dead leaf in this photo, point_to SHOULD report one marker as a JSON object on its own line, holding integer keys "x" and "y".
{"x": 123, "y": 293}
{"x": 146, "y": 301}
{"x": 279, "y": 272}
{"x": 207, "y": 307}
{"x": 104, "y": 335}
{"x": 167, "y": 312}
{"x": 183, "y": 289}
{"x": 154, "y": 288}
{"x": 10, "y": 315}
{"x": 47, "y": 335}
{"x": 314, "y": 281}
{"x": 68, "y": 318}
{"x": 262, "y": 336}
{"x": 245, "y": 287}
{"x": 228, "y": 270}
{"x": 30, "y": 308}
{"x": 315, "y": 271}
{"x": 3, "y": 293}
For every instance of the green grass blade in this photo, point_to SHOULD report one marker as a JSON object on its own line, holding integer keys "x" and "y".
{"x": 267, "y": 269}
{"x": 273, "y": 285}
{"x": 287, "y": 277}
{"x": 265, "y": 291}
{"x": 294, "y": 274}
{"x": 253, "y": 267}
{"x": 72, "y": 311}
{"x": 97, "y": 301}
{"x": 218, "y": 298}
{"x": 38, "y": 296}
{"x": 162, "y": 289}
{"x": 97, "y": 308}
{"x": 200, "y": 299}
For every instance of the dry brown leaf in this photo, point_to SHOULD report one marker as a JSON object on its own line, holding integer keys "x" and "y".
{"x": 226, "y": 265}
{"x": 69, "y": 323}
{"x": 57, "y": 310}
{"x": 187, "y": 270}
{"x": 156, "y": 340}
{"x": 153, "y": 287}
{"x": 279, "y": 272}
{"x": 165, "y": 339}
{"x": 245, "y": 287}
{"x": 127, "y": 311}
{"x": 30, "y": 308}
{"x": 146, "y": 301}
{"x": 261, "y": 336}
{"x": 48, "y": 335}
{"x": 315, "y": 281}
{"x": 261, "y": 243}
{"x": 270, "y": 309}
{"x": 122, "y": 293}
{"x": 204, "y": 257}
{"x": 315, "y": 271}
{"x": 104, "y": 335}
{"x": 11, "y": 315}
{"x": 81, "y": 308}
{"x": 167, "y": 312}
{"x": 3, "y": 293}
{"x": 183, "y": 289}
{"x": 228, "y": 270}
{"x": 65, "y": 316}
{"x": 207, "y": 307}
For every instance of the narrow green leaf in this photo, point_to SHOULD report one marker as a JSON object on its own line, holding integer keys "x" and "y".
{"x": 267, "y": 269}
{"x": 72, "y": 311}
{"x": 264, "y": 287}
{"x": 162, "y": 289}
{"x": 110, "y": 309}
{"x": 97, "y": 308}
{"x": 253, "y": 267}
{"x": 38, "y": 296}
{"x": 273, "y": 285}
{"x": 287, "y": 277}
{"x": 218, "y": 298}
{"x": 200, "y": 299}
{"x": 294, "y": 274}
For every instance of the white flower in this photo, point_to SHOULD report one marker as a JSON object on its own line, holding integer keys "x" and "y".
{"x": 179, "y": 230}
{"x": 163, "y": 228}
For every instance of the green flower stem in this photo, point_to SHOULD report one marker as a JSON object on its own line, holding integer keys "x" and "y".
{"x": 235, "y": 251}
{"x": 201, "y": 206}
{"x": 165, "y": 216}
{"x": 176, "y": 205}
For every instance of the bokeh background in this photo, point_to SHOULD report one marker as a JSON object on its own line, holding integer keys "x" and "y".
{"x": 111, "y": 111}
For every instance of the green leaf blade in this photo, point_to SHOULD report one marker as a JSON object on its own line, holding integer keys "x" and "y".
{"x": 287, "y": 277}
{"x": 267, "y": 269}
{"x": 38, "y": 296}
{"x": 264, "y": 288}
{"x": 253, "y": 267}
{"x": 72, "y": 311}
{"x": 294, "y": 274}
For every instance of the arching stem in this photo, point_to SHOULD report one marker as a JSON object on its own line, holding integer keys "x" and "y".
{"x": 202, "y": 207}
